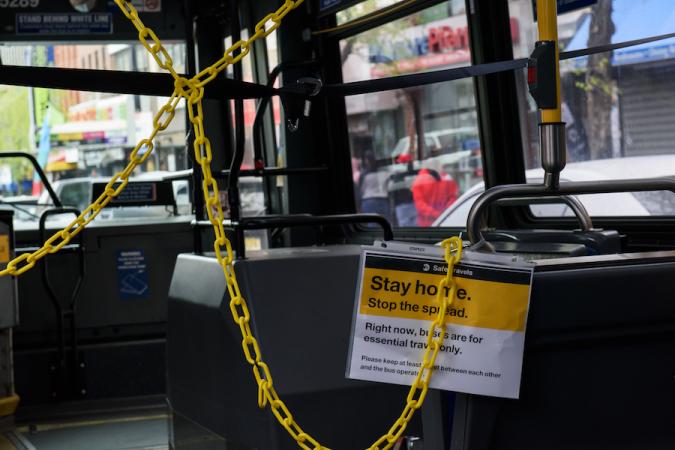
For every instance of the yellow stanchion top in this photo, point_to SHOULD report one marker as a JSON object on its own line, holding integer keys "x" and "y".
{"x": 547, "y": 24}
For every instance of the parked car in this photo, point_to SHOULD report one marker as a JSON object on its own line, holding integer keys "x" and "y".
{"x": 77, "y": 193}
{"x": 622, "y": 204}
{"x": 437, "y": 142}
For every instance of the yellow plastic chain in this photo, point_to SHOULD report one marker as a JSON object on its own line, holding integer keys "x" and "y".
{"x": 193, "y": 91}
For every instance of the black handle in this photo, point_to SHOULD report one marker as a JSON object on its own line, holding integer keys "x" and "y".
{"x": 45, "y": 266}
{"x": 262, "y": 223}
{"x": 68, "y": 311}
{"x": 566, "y": 188}
{"x": 38, "y": 169}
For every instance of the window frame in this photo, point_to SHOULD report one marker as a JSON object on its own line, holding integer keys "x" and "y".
{"x": 490, "y": 110}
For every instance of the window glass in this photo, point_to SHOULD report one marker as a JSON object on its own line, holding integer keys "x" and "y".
{"x": 251, "y": 188}
{"x": 126, "y": 57}
{"x": 618, "y": 107}
{"x": 80, "y": 137}
{"x": 75, "y": 195}
{"x": 369, "y": 6}
{"x": 362, "y": 9}
{"x": 414, "y": 151}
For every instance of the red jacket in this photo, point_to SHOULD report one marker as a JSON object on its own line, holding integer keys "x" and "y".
{"x": 432, "y": 194}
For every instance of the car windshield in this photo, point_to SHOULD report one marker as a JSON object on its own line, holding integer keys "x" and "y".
{"x": 626, "y": 204}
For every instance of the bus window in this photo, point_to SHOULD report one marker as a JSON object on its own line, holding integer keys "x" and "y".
{"x": 618, "y": 107}
{"x": 414, "y": 151}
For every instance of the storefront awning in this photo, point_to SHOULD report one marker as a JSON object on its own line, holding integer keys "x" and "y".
{"x": 60, "y": 166}
{"x": 62, "y": 160}
{"x": 634, "y": 20}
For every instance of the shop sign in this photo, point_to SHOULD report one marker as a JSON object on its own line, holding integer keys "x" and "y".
{"x": 436, "y": 44}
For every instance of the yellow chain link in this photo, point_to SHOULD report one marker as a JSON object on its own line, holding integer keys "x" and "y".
{"x": 193, "y": 91}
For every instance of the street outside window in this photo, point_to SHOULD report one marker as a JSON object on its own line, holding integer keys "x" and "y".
{"x": 414, "y": 151}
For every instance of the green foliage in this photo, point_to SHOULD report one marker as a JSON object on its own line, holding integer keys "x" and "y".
{"x": 594, "y": 83}
{"x": 15, "y": 127}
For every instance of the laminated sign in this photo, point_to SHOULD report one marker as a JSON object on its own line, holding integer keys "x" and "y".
{"x": 397, "y": 299}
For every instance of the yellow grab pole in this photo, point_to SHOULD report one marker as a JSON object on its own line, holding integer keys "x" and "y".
{"x": 547, "y": 23}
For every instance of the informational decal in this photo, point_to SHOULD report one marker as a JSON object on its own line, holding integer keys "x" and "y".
{"x": 143, "y": 192}
{"x": 64, "y": 23}
{"x": 397, "y": 299}
{"x": 83, "y": 20}
{"x": 4, "y": 248}
{"x": 132, "y": 275}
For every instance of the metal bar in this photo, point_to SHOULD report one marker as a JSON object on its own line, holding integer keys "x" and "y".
{"x": 565, "y": 188}
{"x": 38, "y": 169}
{"x": 396, "y": 11}
{"x": 239, "y": 136}
{"x": 575, "y": 205}
{"x": 301, "y": 220}
{"x": 263, "y": 223}
{"x": 71, "y": 308}
{"x": 123, "y": 82}
{"x": 266, "y": 172}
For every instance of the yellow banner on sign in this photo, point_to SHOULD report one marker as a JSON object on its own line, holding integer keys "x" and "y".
{"x": 478, "y": 303}
{"x": 4, "y": 249}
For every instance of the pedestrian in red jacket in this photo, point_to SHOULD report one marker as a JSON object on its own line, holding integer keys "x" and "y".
{"x": 433, "y": 191}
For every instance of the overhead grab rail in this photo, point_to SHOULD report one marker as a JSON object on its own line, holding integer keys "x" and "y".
{"x": 123, "y": 82}
{"x": 439, "y": 76}
{"x": 161, "y": 84}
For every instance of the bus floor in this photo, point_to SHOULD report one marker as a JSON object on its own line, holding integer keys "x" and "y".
{"x": 94, "y": 427}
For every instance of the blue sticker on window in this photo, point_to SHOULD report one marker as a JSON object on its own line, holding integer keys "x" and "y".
{"x": 132, "y": 275}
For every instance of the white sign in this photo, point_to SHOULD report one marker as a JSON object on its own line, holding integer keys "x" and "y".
{"x": 482, "y": 352}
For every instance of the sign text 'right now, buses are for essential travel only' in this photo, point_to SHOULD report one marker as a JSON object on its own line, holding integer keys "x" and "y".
{"x": 484, "y": 339}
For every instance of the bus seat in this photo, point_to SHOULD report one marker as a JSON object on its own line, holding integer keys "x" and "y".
{"x": 599, "y": 362}
{"x": 301, "y": 302}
